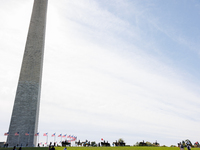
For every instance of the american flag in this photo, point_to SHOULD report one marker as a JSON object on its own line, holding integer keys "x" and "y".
{"x": 45, "y": 143}
{"x": 7, "y": 133}
{"x": 59, "y": 135}
{"x": 41, "y": 143}
{"x": 27, "y": 133}
{"x": 73, "y": 137}
{"x": 45, "y": 134}
{"x": 53, "y": 134}
{"x": 37, "y": 134}
{"x": 64, "y": 135}
{"x": 17, "y": 133}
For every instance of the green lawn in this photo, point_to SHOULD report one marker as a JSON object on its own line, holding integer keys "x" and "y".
{"x": 119, "y": 148}
{"x": 102, "y": 148}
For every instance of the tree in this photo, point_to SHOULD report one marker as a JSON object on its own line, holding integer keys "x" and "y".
{"x": 93, "y": 143}
{"x": 149, "y": 144}
{"x": 188, "y": 142}
{"x": 136, "y": 144}
{"x": 121, "y": 140}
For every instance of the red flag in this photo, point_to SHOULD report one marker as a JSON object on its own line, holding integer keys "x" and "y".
{"x": 27, "y": 133}
{"x": 64, "y": 135}
{"x": 17, "y": 133}
{"x": 36, "y": 134}
{"x": 7, "y": 133}
{"x": 45, "y": 134}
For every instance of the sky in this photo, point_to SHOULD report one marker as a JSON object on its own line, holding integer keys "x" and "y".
{"x": 112, "y": 69}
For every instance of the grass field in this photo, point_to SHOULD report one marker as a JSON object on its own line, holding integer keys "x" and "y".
{"x": 103, "y": 148}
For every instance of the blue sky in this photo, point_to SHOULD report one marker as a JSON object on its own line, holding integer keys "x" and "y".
{"x": 112, "y": 69}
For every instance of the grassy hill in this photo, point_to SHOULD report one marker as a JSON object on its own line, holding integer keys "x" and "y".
{"x": 102, "y": 148}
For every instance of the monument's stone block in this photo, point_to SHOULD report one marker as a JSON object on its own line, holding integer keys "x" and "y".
{"x": 26, "y": 106}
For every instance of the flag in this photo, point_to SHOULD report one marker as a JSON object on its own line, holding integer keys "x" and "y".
{"x": 7, "y": 133}
{"x": 64, "y": 135}
{"x": 45, "y": 134}
{"x": 17, "y": 133}
{"x": 102, "y": 139}
{"x": 45, "y": 143}
{"x": 27, "y": 133}
{"x": 69, "y": 136}
{"x": 53, "y": 135}
{"x": 60, "y": 135}
{"x": 73, "y": 137}
{"x": 41, "y": 143}
{"x": 37, "y": 134}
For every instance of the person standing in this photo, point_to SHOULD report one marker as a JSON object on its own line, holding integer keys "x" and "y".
{"x": 181, "y": 147}
{"x": 188, "y": 147}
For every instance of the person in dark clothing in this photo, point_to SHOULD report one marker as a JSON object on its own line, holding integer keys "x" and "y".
{"x": 53, "y": 148}
{"x": 188, "y": 147}
{"x": 49, "y": 147}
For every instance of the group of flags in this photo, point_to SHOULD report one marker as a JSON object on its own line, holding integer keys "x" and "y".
{"x": 16, "y": 134}
{"x": 72, "y": 137}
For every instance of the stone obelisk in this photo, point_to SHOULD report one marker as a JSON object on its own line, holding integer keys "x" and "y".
{"x": 25, "y": 113}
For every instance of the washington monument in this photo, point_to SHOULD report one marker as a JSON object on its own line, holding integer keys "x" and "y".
{"x": 24, "y": 119}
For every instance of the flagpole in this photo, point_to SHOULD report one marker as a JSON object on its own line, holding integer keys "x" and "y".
{"x": 7, "y": 139}
{"x": 18, "y": 139}
{"x": 28, "y": 139}
{"x": 47, "y": 139}
{"x": 38, "y": 137}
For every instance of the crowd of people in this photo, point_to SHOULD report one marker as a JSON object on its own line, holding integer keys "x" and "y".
{"x": 181, "y": 145}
